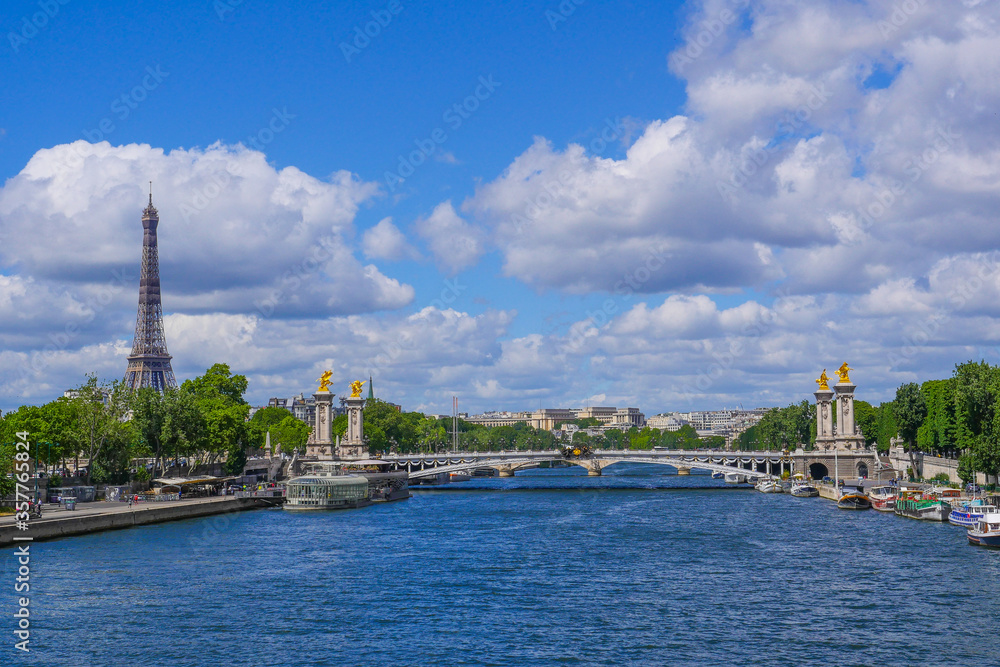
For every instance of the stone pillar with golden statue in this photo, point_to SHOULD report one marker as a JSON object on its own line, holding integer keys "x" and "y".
{"x": 824, "y": 413}
{"x": 847, "y": 434}
{"x": 320, "y": 443}
{"x": 352, "y": 445}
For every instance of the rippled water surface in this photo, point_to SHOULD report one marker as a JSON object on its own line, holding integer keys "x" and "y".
{"x": 551, "y": 567}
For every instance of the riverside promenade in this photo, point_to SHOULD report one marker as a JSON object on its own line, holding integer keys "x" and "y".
{"x": 100, "y": 516}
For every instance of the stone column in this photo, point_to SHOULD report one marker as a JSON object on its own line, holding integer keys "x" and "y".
{"x": 320, "y": 442}
{"x": 353, "y": 446}
{"x": 824, "y": 418}
{"x": 847, "y": 435}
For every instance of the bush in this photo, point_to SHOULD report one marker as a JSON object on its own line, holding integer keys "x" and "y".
{"x": 55, "y": 480}
{"x": 143, "y": 475}
{"x": 941, "y": 477}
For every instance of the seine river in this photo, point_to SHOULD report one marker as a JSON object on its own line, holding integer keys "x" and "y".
{"x": 548, "y": 568}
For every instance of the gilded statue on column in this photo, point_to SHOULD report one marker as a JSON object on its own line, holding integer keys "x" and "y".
{"x": 356, "y": 388}
{"x": 324, "y": 381}
{"x": 822, "y": 381}
{"x": 842, "y": 373}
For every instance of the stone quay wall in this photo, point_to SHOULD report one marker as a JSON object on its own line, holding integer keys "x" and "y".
{"x": 55, "y": 523}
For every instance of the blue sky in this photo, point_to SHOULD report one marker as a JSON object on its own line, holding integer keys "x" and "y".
{"x": 653, "y": 204}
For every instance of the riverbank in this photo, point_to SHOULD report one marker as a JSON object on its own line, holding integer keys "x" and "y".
{"x": 100, "y": 516}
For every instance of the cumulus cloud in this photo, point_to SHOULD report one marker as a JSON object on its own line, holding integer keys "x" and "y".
{"x": 385, "y": 241}
{"x": 234, "y": 232}
{"x": 237, "y": 238}
{"x": 455, "y": 244}
{"x": 814, "y": 135}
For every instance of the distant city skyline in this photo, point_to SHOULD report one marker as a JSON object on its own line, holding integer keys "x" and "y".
{"x": 673, "y": 206}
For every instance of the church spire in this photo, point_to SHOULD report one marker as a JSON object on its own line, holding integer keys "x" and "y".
{"x": 371, "y": 388}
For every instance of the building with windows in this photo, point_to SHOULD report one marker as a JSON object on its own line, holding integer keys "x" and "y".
{"x": 548, "y": 419}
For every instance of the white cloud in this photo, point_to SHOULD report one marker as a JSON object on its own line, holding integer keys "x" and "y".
{"x": 385, "y": 241}
{"x": 455, "y": 243}
{"x": 233, "y": 230}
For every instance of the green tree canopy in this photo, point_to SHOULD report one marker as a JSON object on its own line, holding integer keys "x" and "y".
{"x": 219, "y": 397}
{"x": 289, "y": 434}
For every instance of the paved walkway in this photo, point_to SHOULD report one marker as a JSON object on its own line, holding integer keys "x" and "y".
{"x": 52, "y": 511}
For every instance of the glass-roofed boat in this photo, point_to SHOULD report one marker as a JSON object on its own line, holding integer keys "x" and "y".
{"x": 326, "y": 490}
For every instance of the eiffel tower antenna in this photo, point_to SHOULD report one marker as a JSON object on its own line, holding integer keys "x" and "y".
{"x": 149, "y": 363}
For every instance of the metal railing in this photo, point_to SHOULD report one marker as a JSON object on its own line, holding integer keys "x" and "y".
{"x": 261, "y": 493}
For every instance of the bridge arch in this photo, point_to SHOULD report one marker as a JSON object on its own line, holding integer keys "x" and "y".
{"x": 818, "y": 471}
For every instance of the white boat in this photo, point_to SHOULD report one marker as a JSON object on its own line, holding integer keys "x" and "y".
{"x": 326, "y": 491}
{"x": 718, "y": 475}
{"x": 769, "y": 486}
{"x": 803, "y": 490}
{"x": 883, "y": 498}
{"x": 986, "y": 532}
{"x": 735, "y": 478}
{"x": 969, "y": 512}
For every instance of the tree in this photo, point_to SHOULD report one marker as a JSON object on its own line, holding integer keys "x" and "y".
{"x": 289, "y": 434}
{"x": 938, "y": 430}
{"x": 7, "y": 483}
{"x": 339, "y": 425}
{"x": 977, "y": 398}
{"x": 269, "y": 416}
{"x": 786, "y": 428}
{"x": 967, "y": 468}
{"x": 866, "y": 419}
{"x": 888, "y": 428}
{"x": 219, "y": 397}
{"x": 98, "y": 412}
{"x": 167, "y": 424}
{"x": 910, "y": 410}
{"x": 384, "y": 426}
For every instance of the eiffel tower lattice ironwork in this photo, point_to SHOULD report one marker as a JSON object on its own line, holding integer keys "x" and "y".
{"x": 149, "y": 363}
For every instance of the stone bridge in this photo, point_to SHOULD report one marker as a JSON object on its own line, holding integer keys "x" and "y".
{"x": 761, "y": 464}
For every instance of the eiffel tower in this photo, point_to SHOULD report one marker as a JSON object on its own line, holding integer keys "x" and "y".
{"x": 149, "y": 363}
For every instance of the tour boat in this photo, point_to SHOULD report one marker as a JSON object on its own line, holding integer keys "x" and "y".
{"x": 803, "y": 490}
{"x": 969, "y": 512}
{"x": 769, "y": 486}
{"x": 925, "y": 507}
{"x": 853, "y": 498}
{"x": 883, "y": 498}
{"x": 326, "y": 491}
{"x": 986, "y": 532}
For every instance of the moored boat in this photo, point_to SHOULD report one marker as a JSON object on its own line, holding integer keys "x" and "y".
{"x": 922, "y": 506}
{"x": 326, "y": 491}
{"x": 969, "y": 512}
{"x": 986, "y": 532}
{"x": 718, "y": 474}
{"x": 735, "y": 478}
{"x": 853, "y": 498}
{"x": 769, "y": 486}
{"x": 883, "y": 498}
{"x": 803, "y": 490}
